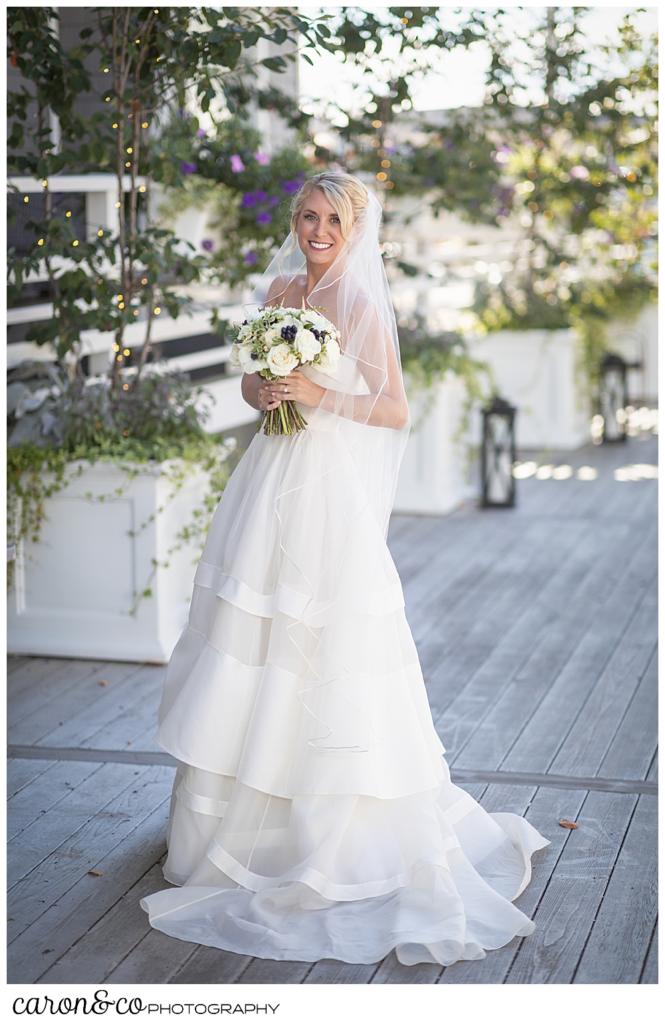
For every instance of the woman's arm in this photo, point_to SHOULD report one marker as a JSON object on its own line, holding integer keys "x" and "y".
{"x": 249, "y": 387}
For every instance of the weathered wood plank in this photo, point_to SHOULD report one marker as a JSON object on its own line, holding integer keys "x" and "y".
{"x": 575, "y": 645}
{"x": 619, "y": 942}
{"x": 575, "y": 892}
{"x": 85, "y": 904}
{"x": 538, "y": 742}
{"x": 60, "y": 678}
{"x": 53, "y": 864}
{"x": 21, "y": 772}
{"x": 84, "y": 709}
{"x": 44, "y": 793}
{"x": 650, "y": 972}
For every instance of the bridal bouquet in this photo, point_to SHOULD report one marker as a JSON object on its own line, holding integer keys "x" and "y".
{"x": 275, "y": 341}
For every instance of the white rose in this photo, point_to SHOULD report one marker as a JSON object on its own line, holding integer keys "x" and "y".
{"x": 307, "y": 345}
{"x": 271, "y": 335}
{"x": 281, "y": 360}
{"x": 330, "y": 355}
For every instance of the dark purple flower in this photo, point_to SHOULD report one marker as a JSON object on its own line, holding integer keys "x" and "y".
{"x": 263, "y": 218}
{"x": 187, "y": 168}
{"x": 208, "y": 244}
{"x": 250, "y": 258}
{"x": 273, "y": 200}
{"x": 249, "y": 199}
{"x": 290, "y": 186}
{"x": 261, "y": 196}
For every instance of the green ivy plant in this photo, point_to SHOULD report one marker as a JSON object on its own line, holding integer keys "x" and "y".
{"x": 159, "y": 423}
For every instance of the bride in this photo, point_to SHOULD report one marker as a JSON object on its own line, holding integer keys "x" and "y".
{"x": 312, "y": 812}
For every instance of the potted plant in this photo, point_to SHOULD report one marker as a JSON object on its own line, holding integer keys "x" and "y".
{"x": 109, "y": 500}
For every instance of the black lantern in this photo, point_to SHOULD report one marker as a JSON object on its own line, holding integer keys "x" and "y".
{"x": 497, "y": 456}
{"x": 613, "y": 397}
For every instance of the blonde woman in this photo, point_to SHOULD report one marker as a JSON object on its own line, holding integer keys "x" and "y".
{"x": 313, "y": 814}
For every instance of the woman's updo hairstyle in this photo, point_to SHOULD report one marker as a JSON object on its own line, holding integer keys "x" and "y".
{"x": 344, "y": 192}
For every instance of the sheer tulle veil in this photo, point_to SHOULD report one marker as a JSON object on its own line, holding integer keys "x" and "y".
{"x": 365, "y": 411}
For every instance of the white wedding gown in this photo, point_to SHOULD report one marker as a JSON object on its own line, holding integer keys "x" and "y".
{"x": 312, "y": 812}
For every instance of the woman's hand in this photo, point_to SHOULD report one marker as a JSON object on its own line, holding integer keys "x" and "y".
{"x": 295, "y": 387}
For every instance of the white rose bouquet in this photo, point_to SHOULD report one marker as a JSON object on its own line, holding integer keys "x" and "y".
{"x": 275, "y": 341}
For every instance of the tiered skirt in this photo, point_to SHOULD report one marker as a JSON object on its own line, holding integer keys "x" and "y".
{"x": 312, "y": 812}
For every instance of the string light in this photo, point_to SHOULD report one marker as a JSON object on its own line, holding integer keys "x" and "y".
{"x": 385, "y": 163}
{"x": 114, "y": 125}
{"x": 129, "y": 149}
{"x": 128, "y": 163}
{"x": 117, "y": 205}
{"x": 120, "y": 297}
{"x": 100, "y": 233}
{"x": 44, "y": 183}
{"x": 118, "y": 359}
{"x": 75, "y": 242}
{"x": 107, "y": 99}
{"x": 26, "y": 199}
{"x": 68, "y": 213}
{"x": 126, "y": 352}
{"x": 121, "y": 305}
{"x": 377, "y": 123}
{"x": 116, "y": 346}
{"x": 144, "y": 280}
{"x": 125, "y": 387}
{"x": 141, "y": 188}
{"x": 381, "y": 176}
{"x": 138, "y": 42}
{"x": 40, "y": 241}
{"x": 106, "y": 71}
{"x": 136, "y": 312}
{"x": 144, "y": 124}
{"x": 157, "y": 310}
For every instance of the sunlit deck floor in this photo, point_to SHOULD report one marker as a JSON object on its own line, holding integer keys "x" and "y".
{"x": 537, "y": 631}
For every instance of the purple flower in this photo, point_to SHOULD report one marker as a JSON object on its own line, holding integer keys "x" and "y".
{"x": 249, "y": 199}
{"x": 250, "y": 257}
{"x": 391, "y": 149}
{"x": 187, "y": 168}
{"x": 208, "y": 244}
{"x": 449, "y": 144}
{"x": 261, "y": 158}
{"x": 263, "y": 218}
{"x": 273, "y": 200}
{"x": 261, "y": 196}
{"x": 236, "y": 163}
{"x": 290, "y": 186}
{"x": 201, "y": 133}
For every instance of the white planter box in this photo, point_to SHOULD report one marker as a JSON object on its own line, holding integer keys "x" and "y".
{"x": 538, "y": 371}
{"x": 73, "y": 590}
{"x": 435, "y": 476}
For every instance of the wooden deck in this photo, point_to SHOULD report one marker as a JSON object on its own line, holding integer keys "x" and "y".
{"x": 537, "y": 632}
